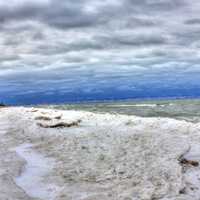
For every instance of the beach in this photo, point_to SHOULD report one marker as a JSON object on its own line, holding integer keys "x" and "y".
{"x": 50, "y": 154}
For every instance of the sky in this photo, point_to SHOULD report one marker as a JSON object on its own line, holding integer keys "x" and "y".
{"x": 55, "y": 51}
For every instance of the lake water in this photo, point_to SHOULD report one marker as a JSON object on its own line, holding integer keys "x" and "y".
{"x": 181, "y": 109}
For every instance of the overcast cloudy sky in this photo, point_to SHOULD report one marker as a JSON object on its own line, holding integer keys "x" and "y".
{"x": 71, "y": 50}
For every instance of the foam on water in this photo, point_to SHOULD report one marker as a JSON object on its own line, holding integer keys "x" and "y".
{"x": 134, "y": 105}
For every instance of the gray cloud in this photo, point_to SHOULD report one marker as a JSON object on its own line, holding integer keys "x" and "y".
{"x": 50, "y": 36}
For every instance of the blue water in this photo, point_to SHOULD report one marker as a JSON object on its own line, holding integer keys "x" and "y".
{"x": 57, "y": 97}
{"x": 72, "y": 87}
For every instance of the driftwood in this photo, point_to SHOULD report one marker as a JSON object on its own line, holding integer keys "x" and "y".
{"x": 194, "y": 163}
{"x": 58, "y": 117}
{"x": 60, "y": 124}
{"x": 45, "y": 118}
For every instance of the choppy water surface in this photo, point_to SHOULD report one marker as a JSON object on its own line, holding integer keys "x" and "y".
{"x": 180, "y": 109}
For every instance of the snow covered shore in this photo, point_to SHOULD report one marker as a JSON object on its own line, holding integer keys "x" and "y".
{"x": 69, "y": 155}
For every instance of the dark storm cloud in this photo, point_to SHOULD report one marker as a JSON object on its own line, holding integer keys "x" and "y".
{"x": 154, "y": 6}
{"x": 79, "y": 14}
{"x": 60, "y": 14}
{"x": 195, "y": 21}
{"x": 9, "y": 58}
{"x": 103, "y": 43}
{"x": 71, "y": 14}
{"x": 23, "y": 12}
{"x": 141, "y": 40}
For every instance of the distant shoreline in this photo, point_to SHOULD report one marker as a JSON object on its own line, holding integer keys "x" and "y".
{"x": 136, "y": 100}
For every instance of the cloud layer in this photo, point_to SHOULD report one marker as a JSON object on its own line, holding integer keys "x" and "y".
{"x": 96, "y": 45}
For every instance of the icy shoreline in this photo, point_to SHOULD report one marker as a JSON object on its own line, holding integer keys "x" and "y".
{"x": 86, "y": 156}
{"x": 37, "y": 166}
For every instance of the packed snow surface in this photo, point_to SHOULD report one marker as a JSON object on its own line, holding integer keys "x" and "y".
{"x": 103, "y": 156}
